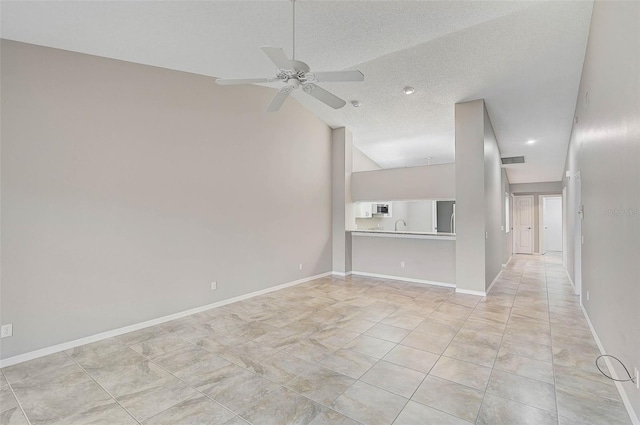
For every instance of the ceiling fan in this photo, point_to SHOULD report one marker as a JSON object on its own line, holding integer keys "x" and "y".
{"x": 297, "y": 74}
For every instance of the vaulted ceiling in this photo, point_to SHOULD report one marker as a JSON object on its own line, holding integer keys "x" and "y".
{"x": 523, "y": 57}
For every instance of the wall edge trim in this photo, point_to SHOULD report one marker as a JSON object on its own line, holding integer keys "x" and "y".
{"x": 573, "y": 286}
{"x": 405, "y": 279}
{"x": 493, "y": 282}
{"x": 470, "y": 292}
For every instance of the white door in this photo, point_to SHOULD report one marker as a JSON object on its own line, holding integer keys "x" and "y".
{"x": 524, "y": 224}
{"x": 577, "y": 242}
{"x": 564, "y": 227}
{"x": 552, "y": 222}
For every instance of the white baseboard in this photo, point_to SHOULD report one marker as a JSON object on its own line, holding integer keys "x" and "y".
{"x": 470, "y": 292}
{"x": 481, "y": 293}
{"x": 571, "y": 281}
{"x": 623, "y": 393}
{"x": 493, "y": 282}
{"x": 115, "y": 332}
{"x": 505, "y": 264}
{"x": 405, "y": 279}
{"x": 343, "y": 274}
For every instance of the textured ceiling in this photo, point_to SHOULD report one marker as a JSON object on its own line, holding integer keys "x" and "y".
{"x": 523, "y": 57}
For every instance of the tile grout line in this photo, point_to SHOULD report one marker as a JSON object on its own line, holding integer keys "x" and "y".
{"x": 359, "y": 379}
{"x": 546, "y": 295}
{"x": 170, "y": 373}
{"x": 441, "y": 355}
{"x": 263, "y": 377}
{"x": 553, "y": 368}
{"x": 103, "y": 388}
{"x": 191, "y": 386}
{"x": 16, "y": 398}
{"x": 505, "y": 329}
{"x": 427, "y": 374}
{"x": 356, "y": 380}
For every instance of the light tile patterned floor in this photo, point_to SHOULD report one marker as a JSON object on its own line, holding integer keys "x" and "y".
{"x": 339, "y": 351}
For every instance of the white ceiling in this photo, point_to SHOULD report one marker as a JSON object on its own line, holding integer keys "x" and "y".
{"x": 523, "y": 57}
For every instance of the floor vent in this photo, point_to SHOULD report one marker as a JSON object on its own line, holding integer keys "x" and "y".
{"x": 513, "y": 160}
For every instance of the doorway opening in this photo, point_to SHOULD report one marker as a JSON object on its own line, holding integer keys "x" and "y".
{"x": 523, "y": 224}
{"x": 550, "y": 234}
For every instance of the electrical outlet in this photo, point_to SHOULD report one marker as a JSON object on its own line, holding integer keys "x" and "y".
{"x": 587, "y": 295}
{"x": 486, "y": 235}
{"x": 401, "y": 263}
{"x": 7, "y": 330}
{"x": 214, "y": 286}
{"x": 300, "y": 267}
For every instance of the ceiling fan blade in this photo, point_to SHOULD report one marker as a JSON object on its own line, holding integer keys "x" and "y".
{"x": 278, "y": 57}
{"x": 338, "y": 76}
{"x": 279, "y": 99}
{"x": 324, "y": 96}
{"x": 234, "y": 81}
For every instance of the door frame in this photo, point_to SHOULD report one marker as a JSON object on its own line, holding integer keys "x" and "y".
{"x": 516, "y": 236}
{"x": 564, "y": 227}
{"x": 541, "y": 201}
{"x": 434, "y": 216}
{"x": 512, "y": 223}
{"x": 577, "y": 239}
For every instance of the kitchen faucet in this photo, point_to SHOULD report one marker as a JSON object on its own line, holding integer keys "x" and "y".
{"x": 403, "y": 222}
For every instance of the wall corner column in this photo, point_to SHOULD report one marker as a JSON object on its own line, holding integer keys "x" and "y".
{"x": 470, "y": 226}
{"x": 343, "y": 215}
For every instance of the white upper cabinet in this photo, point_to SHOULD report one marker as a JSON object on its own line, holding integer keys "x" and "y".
{"x": 363, "y": 209}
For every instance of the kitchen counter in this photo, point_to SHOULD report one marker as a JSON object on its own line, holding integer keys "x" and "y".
{"x": 423, "y": 257}
{"x": 408, "y": 234}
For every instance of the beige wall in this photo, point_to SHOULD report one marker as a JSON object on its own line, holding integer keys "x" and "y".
{"x": 493, "y": 203}
{"x": 343, "y": 212}
{"x": 362, "y": 162}
{"x": 605, "y": 149}
{"x": 479, "y": 192}
{"x": 424, "y": 182}
{"x": 469, "y": 166}
{"x": 425, "y": 259}
{"x": 541, "y": 187}
{"x": 127, "y": 189}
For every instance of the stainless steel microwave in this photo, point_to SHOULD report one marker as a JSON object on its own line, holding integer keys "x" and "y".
{"x": 380, "y": 209}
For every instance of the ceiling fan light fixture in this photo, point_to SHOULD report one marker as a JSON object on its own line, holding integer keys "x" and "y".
{"x": 297, "y": 74}
{"x": 409, "y": 90}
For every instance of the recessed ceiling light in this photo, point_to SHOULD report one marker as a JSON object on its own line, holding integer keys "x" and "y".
{"x": 530, "y": 142}
{"x": 356, "y": 103}
{"x": 408, "y": 90}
